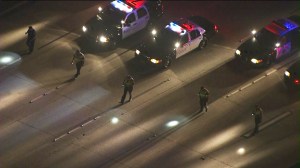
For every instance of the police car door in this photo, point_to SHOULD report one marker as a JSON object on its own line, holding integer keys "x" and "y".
{"x": 196, "y": 38}
{"x": 129, "y": 27}
{"x": 142, "y": 18}
{"x": 284, "y": 48}
{"x": 184, "y": 46}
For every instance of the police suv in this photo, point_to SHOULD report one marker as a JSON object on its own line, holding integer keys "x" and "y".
{"x": 275, "y": 41}
{"x": 175, "y": 40}
{"x": 121, "y": 19}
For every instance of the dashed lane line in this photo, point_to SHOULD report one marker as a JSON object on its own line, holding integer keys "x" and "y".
{"x": 260, "y": 78}
{"x": 85, "y": 123}
{"x": 228, "y": 48}
{"x": 50, "y": 91}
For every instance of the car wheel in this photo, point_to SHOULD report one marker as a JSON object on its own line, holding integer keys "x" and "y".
{"x": 203, "y": 43}
{"x": 166, "y": 62}
{"x": 268, "y": 61}
{"x": 113, "y": 44}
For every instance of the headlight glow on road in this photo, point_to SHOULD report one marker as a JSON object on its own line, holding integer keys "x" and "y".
{"x": 114, "y": 120}
{"x": 6, "y": 59}
{"x": 172, "y": 123}
{"x": 241, "y": 151}
{"x": 84, "y": 29}
{"x": 153, "y": 32}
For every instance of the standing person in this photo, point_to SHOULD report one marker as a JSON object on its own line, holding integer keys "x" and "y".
{"x": 257, "y": 113}
{"x": 30, "y": 38}
{"x": 128, "y": 87}
{"x": 203, "y": 96}
{"x": 78, "y": 58}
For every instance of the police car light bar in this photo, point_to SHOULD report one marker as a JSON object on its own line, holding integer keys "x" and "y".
{"x": 289, "y": 25}
{"x": 121, "y": 6}
{"x": 176, "y": 28}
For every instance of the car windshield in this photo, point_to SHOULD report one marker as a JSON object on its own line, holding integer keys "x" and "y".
{"x": 111, "y": 14}
{"x": 266, "y": 37}
{"x": 167, "y": 37}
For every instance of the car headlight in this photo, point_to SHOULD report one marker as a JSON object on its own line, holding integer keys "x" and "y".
{"x": 177, "y": 44}
{"x": 103, "y": 39}
{"x": 238, "y": 52}
{"x": 153, "y": 32}
{"x": 277, "y": 44}
{"x": 137, "y": 52}
{"x": 84, "y": 29}
{"x": 99, "y": 8}
{"x": 155, "y": 61}
{"x": 287, "y": 73}
{"x": 255, "y": 61}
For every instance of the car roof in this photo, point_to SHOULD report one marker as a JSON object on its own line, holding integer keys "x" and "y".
{"x": 183, "y": 25}
{"x": 127, "y": 5}
{"x": 281, "y": 26}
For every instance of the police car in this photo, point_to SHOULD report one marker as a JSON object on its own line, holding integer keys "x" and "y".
{"x": 175, "y": 40}
{"x": 121, "y": 19}
{"x": 275, "y": 41}
{"x": 292, "y": 76}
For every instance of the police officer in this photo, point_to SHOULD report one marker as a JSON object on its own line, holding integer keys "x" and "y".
{"x": 78, "y": 58}
{"x": 203, "y": 97}
{"x": 128, "y": 87}
{"x": 30, "y": 38}
{"x": 257, "y": 113}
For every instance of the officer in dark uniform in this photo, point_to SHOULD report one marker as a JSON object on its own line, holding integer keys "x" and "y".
{"x": 78, "y": 58}
{"x": 128, "y": 87}
{"x": 203, "y": 97}
{"x": 257, "y": 113}
{"x": 30, "y": 38}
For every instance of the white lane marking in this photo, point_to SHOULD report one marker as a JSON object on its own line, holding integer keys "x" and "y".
{"x": 228, "y": 48}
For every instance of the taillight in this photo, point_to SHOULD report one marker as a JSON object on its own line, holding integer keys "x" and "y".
{"x": 216, "y": 28}
{"x": 296, "y": 81}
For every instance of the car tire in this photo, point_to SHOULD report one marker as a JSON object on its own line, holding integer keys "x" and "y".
{"x": 203, "y": 43}
{"x": 268, "y": 61}
{"x": 166, "y": 63}
{"x": 113, "y": 44}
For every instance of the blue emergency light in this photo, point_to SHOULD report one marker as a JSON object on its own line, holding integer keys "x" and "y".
{"x": 121, "y": 6}
{"x": 176, "y": 28}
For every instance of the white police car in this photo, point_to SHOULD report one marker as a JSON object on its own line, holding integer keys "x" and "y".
{"x": 175, "y": 40}
{"x": 120, "y": 19}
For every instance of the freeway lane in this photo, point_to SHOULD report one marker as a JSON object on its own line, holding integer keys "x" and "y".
{"x": 140, "y": 139}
